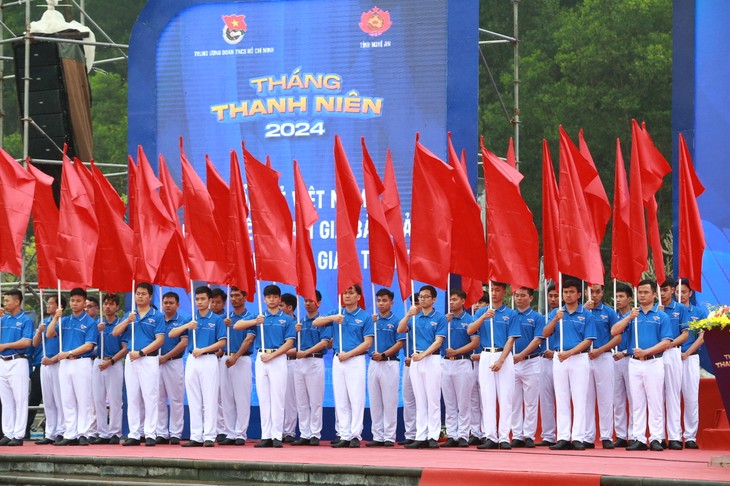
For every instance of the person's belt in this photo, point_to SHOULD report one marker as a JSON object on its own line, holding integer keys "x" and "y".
{"x": 458, "y": 357}
{"x": 266, "y": 351}
{"x": 532, "y": 356}
{"x": 107, "y": 358}
{"x": 14, "y": 356}
{"x": 233, "y": 354}
{"x": 290, "y": 358}
{"x": 150, "y": 354}
{"x": 644, "y": 358}
{"x": 315, "y": 355}
{"x": 93, "y": 356}
{"x": 390, "y": 358}
{"x": 72, "y": 358}
{"x": 492, "y": 350}
{"x": 177, "y": 357}
{"x": 435, "y": 352}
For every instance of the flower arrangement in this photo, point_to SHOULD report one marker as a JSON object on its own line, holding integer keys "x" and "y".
{"x": 718, "y": 318}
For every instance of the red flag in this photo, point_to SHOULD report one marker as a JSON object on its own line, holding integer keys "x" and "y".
{"x": 78, "y": 230}
{"x": 512, "y": 237}
{"x": 579, "y": 253}
{"x": 550, "y": 216}
{"x": 596, "y": 197}
{"x": 45, "y": 227}
{"x": 219, "y": 193}
{"x": 306, "y": 216}
{"x": 431, "y": 218}
{"x": 105, "y": 187}
{"x": 621, "y": 255}
{"x": 272, "y": 224}
{"x": 691, "y": 234}
{"x": 655, "y": 239}
{"x": 382, "y": 256}
{"x": 16, "y": 202}
{"x": 639, "y": 252}
{"x": 391, "y": 208}
{"x": 206, "y": 252}
{"x": 132, "y": 195}
{"x": 468, "y": 246}
{"x": 653, "y": 164}
{"x": 349, "y": 203}
{"x": 511, "y": 158}
{"x": 173, "y": 269}
{"x": 238, "y": 241}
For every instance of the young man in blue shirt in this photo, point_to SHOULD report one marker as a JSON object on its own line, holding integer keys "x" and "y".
{"x": 78, "y": 336}
{"x": 16, "y": 331}
{"x": 144, "y": 332}
{"x": 289, "y": 304}
{"x": 624, "y": 298}
{"x": 50, "y": 386}
{"x": 547, "y": 383}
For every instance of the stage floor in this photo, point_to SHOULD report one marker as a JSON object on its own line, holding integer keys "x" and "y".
{"x": 451, "y": 465}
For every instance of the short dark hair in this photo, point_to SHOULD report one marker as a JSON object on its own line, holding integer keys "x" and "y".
{"x": 484, "y": 298}
{"x": 500, "y": 284}
{"x": 685, "y": 283}
{"x": 529, "y": 291}
{"x": 78, "y": 291}
{"x": 551, "y": 286}
{"x": 290, "y": 300}
{"x": 147, "y": 286}
{"x": 414, "y": 297}
{"x": 114, "y": 298}
{"x": 15, "y": 293}
{"x": 272, "y": 290}
{"x": 669, "y": 282}
{"x": 318, "y": 295}
{"x": 218, "y": 293}
{"x": 459, "y": 293}
{"x": 626, "y": 289}
{"x": 385, "y": 293}
{"x": 430, "y": 289}
{"x": 93, "y": 299}
{"x": 357, "y": 288}
{"x": 236, "y": 289}
{"x": 55, "y": 298}
{"x": 648, "y": 281}
{"x": 204, "y": 289}
{"x": 171, "y": 295}
{"x": 574, "y": 283}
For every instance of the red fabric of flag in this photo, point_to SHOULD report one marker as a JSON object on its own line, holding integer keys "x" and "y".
{"x": 639, "y": 251}
{"x": 691, "y": 233}
{"x": 273, "y": 238}
{"x": 103, "y": 186}
{"x": 382, "y": 256}
{"x": 550, "y": 216}
{"x": 653, "y": 164}
{"x": 431, "y": 218}
{"x": 621, "y": 255}
{"x": 306, "y": 216}
{"x": 219, "y": 193}
{"x": 349, "y": 203}
{"x": 16, "y": 202}
{"x": 596, "y": 197}
{"x": 511, "y": 158}
{"x": 173, "y": 269}
{"x": 655, "y": 239}
{"x": 132, "y": 195}
{"x": 238, "y": 241}
{"x": 393, "y": 215}
{"x": 579, "y": 254}
{"x": 511, "y": 233}
{"x": 45, "y": 227}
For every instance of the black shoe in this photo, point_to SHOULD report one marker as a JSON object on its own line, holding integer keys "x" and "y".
{"x": 675, "y": 445}
{"x": 104, "y": 440}
{"x": 375, "y": 443}
{"x": 150, "y": 442}
{"x": 162, "y": 440}
{"x": 16, "y": 442}
{"x": 417, "y": 444}
{"x": 474, "y": 440}
{"x": 265, "y": 443}
{"x": 545, "y": 443}
{"x": 193, "y": 443}
{"x": 638, "y": 446}
{"x": 175, "y": 440}
{"x": 131, "y": 442}
{"x": 301, "y": 442}
{"x": 95, "y": 440}
{"x": 58, "y": 440}
{"x": 561, "y": 445}
{"x": 488, "y": 444}
{"x": 227, "y": 442}
{"x": 83, "y": 441}
{"x": 208, "y": 443}
{"x": 240, "y": 442}
{"x": 220, "y": 437}
{"x": 656, "y": 446}
{"x": 620, "y": 443}
{"x": 354, "y": 443}
{"x": 341, "y": 444}
{"x": 690, "y": 444}
{"x": 505, "y": 445}
{"x": 406, "y": 442}
{"x": 664, "y": 444}
{"x": 44, "y": 441}
{"x": 589, "y": 445}
{"x": 517, "y": 443}
{"x": 463, "y": 442}
{"x": 314, "y": 441}
{"x": 607, "y": 444}
{"x": 276, "y": 443}
{"x": 288, "y": 439}
{"x": 529, "y": 443}
{"x": 4, "y": 441}
{"x": 388, "y": 443}
{"x": 578, "y": 445}
{"x": 432, "y": 444}
{"x": 68, "y": 442}
{"x": 450, "y": 443}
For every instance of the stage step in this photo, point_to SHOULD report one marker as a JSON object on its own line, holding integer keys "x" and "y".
{"x": 50, "y": 470}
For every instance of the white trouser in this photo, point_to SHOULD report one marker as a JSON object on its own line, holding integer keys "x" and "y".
{"x": 220, "y": 419}
{"x": 409, "y": 405}
{"x": 290, "y": 401}
{"x": 78, "y": 403}
{"x": 271, "y": 389}
{"x": 547, "y": 400}
{"x": 426, "y": 381}
{"x": 235, "y": 391}
{"x": 690, "y": 395}
{"x": 14, "y": 383}
{"x": 142, "y": 379}
{"x": 457, "y": 384}
{"x": 172, "y": 389}
{"x": 571, "y": 383}
{"x": 107, "y": 385}
{"x": 621, "y": 393}
{"x": 673, "y": 392}
{"x": 646, "y": 381}
{"x": 527, "y": 394}
{"x": 383, "y": 379}
{"x": 600, "y": 389}
{"x": 52, "y": 404}
{"x": 201, "y": 384}
{"x": 496, "y": 387}
{"x": 348, "y": 382}
{"x": 475, "y": 408}
{"x": 309, "y": 387}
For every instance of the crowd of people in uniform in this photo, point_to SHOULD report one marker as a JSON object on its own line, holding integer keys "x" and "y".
{"x": 497, "y": 368}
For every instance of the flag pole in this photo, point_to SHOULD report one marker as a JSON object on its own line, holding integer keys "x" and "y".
{"x": 43, "y": 334}
{"x": 134, "y": 309}
{"x": 636, "y": 319}
{"x": 590, "y": 298}
{"x": 101, "y": 317}
{"x": 560, "y": 304}
{"x": 299, "y": 333}
{"x": 60, "y": 319}
{"x": 339, "y": 311}
{"x": 228, "y": 314}
{"x": 413, "y": 319}
{"x": 491, "y": 320}
{"x": 192, "y": 310}
{"x": 261, "y": 310}
{"x": 375, "y": 321}
{"x": 547, "y": 311}
{"x": 448, "y": 307}
{"x": 615, "y": 348}
{"x": 408, "y": 338}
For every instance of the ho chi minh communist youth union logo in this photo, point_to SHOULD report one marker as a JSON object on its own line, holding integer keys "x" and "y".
{"x": 375, "y": 22}
{"x": 234, "y": 28}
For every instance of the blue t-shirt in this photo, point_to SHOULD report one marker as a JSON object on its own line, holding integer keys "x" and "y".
{"x": 604, "y": 317}
{"x": 505, "y": 326}
{"x": 678, "y": 317}
{"x": 77, "y": 331}
{"x": 210, "y": 330}
{"x": 237, "y": 337}
{"x": 624, "y": 344}
{"x": 311, "y": 335}
{"x": 695, "y": 313}
{"x": 14, "y": 328}
{"x": 531, "y": 325}
{"x": 37, "y": 355}
{"x": 52, "y": 344}
{"x": 653, "y": 326}
{"x": 278, "y": 327}
{"x": 112, "y": 344}
{"x": 458, "y": 328}
{"x": 176, "y": 321}
{"x": 356, "y": 326}
{"x": 428, "y": 328}
{"x": 578, "y": 326}
{"x": 387, "y": 328}
{"x": 146, "y": 329}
